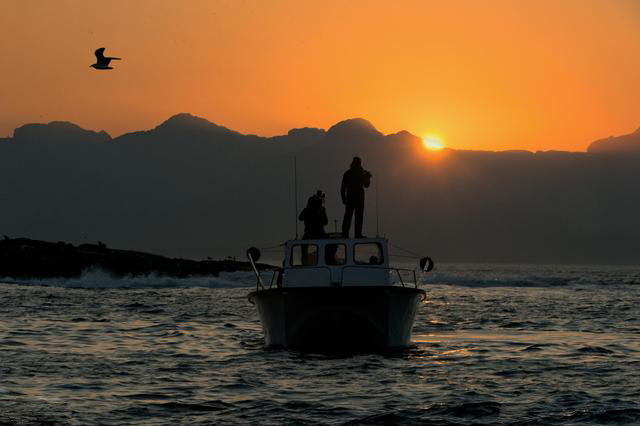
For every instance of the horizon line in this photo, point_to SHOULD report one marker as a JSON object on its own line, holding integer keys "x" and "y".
{"x": 446, "y": 148}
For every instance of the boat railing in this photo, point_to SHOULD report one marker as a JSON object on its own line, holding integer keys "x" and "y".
{"x": 403, "y": 275}
{"x": 276, "y": 277}
{"x": 268, "y": 278}
{"x": 253, "y": 254}
{"x": 400, "y": 271}
{"x": 398, "y": 276}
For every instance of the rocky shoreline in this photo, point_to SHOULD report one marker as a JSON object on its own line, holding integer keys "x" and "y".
{"x": 27, "y": 258}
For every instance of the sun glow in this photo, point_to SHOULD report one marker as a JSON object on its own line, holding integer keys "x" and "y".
{"x": 433, "y": 143}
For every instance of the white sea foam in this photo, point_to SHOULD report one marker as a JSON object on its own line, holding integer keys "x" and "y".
{"x": 97, "y": 278}
{"x": 464, "y": 275}
{"x": 478, "y": 275}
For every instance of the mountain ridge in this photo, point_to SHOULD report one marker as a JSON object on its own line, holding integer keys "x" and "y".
{"x": 57, "y": 130}
{"x": 193, "y": 125}
{"x": 197, "y": 193}
{"x": 188, "y": 126}
{"x": 626, "y": 144}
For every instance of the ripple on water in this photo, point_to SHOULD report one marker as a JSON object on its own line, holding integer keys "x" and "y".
{"x": 594, "y": 350}
{"x": 492, "y": 355}
{"x": 10, "y": 342}
{"x": 177, "y": 406}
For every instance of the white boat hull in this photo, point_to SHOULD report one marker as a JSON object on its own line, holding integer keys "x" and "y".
{"x": 340, "y": 318}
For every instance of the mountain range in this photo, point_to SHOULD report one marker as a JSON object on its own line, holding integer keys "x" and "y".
{"x": 191, "y": 188}
{"x": 617, "y": 144}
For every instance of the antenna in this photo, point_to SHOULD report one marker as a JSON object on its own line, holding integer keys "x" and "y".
{"x": 295, "y": 192}
{"x": 377, "y": 211}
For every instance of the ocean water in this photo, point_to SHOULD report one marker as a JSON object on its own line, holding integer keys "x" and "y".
{"x": 494, "y": 345}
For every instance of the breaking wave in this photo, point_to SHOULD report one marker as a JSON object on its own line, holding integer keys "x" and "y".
{"x": 462, "y": 275}
{"x": 533, "y": 276}
{"x": 98, "y": 278}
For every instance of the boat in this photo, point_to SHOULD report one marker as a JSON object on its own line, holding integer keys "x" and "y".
{"x": 337, "y": 294}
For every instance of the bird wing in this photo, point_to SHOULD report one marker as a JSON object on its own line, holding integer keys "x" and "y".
{"x": 100, "y": 54}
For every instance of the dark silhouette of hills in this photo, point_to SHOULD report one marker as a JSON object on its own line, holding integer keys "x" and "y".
{"x": 27, "y": 258}
{"x": 190, "y": 188}
{"x": 354, "y": 129}
{"x": 626, "y": 144}
{"x": 183, "y": 127}
{"x": 58, "y": 132}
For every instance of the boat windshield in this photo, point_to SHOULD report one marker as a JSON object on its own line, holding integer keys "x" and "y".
{"x": 367, "y": 254}
{"x": 335, "y": 254}
{"x": 304, "y": 255}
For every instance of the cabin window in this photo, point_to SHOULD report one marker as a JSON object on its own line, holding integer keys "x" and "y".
{"x": 335, "y": 254}
{"x": 367, "y": 254}
{"x": 304, "y": 255}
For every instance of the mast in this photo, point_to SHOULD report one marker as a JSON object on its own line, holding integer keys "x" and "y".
{"x": 377, "y": 211}
{"x": 295, "y": 192}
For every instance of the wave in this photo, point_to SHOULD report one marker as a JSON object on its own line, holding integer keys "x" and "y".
{"x": 497, "y": 277}
{"x": 452, "y": 275}
{"x": 98, "y": 278}
{"x": 465, "y": 281}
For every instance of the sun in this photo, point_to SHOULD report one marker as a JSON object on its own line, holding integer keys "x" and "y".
{"x": 433, "y": 143}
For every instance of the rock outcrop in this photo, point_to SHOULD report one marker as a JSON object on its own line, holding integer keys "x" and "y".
{"x": 27, "y": 258}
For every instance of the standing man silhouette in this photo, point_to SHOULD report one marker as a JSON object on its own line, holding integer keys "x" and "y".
{"x": 354, "y": 181}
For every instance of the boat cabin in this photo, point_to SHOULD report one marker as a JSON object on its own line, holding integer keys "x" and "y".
{"x": 336, "y": 263}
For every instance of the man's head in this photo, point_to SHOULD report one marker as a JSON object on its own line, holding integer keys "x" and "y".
{"x": 356, "y": 162}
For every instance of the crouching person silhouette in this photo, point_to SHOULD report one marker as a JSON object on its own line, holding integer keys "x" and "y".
{"x": 354, "y": 181}
{"x": 315, "y": 218}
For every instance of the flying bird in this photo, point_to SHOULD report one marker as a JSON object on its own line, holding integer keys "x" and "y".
{"x": 102, "y": 62}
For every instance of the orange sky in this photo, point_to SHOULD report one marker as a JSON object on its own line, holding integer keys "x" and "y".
{"x": 491, "y": 74}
